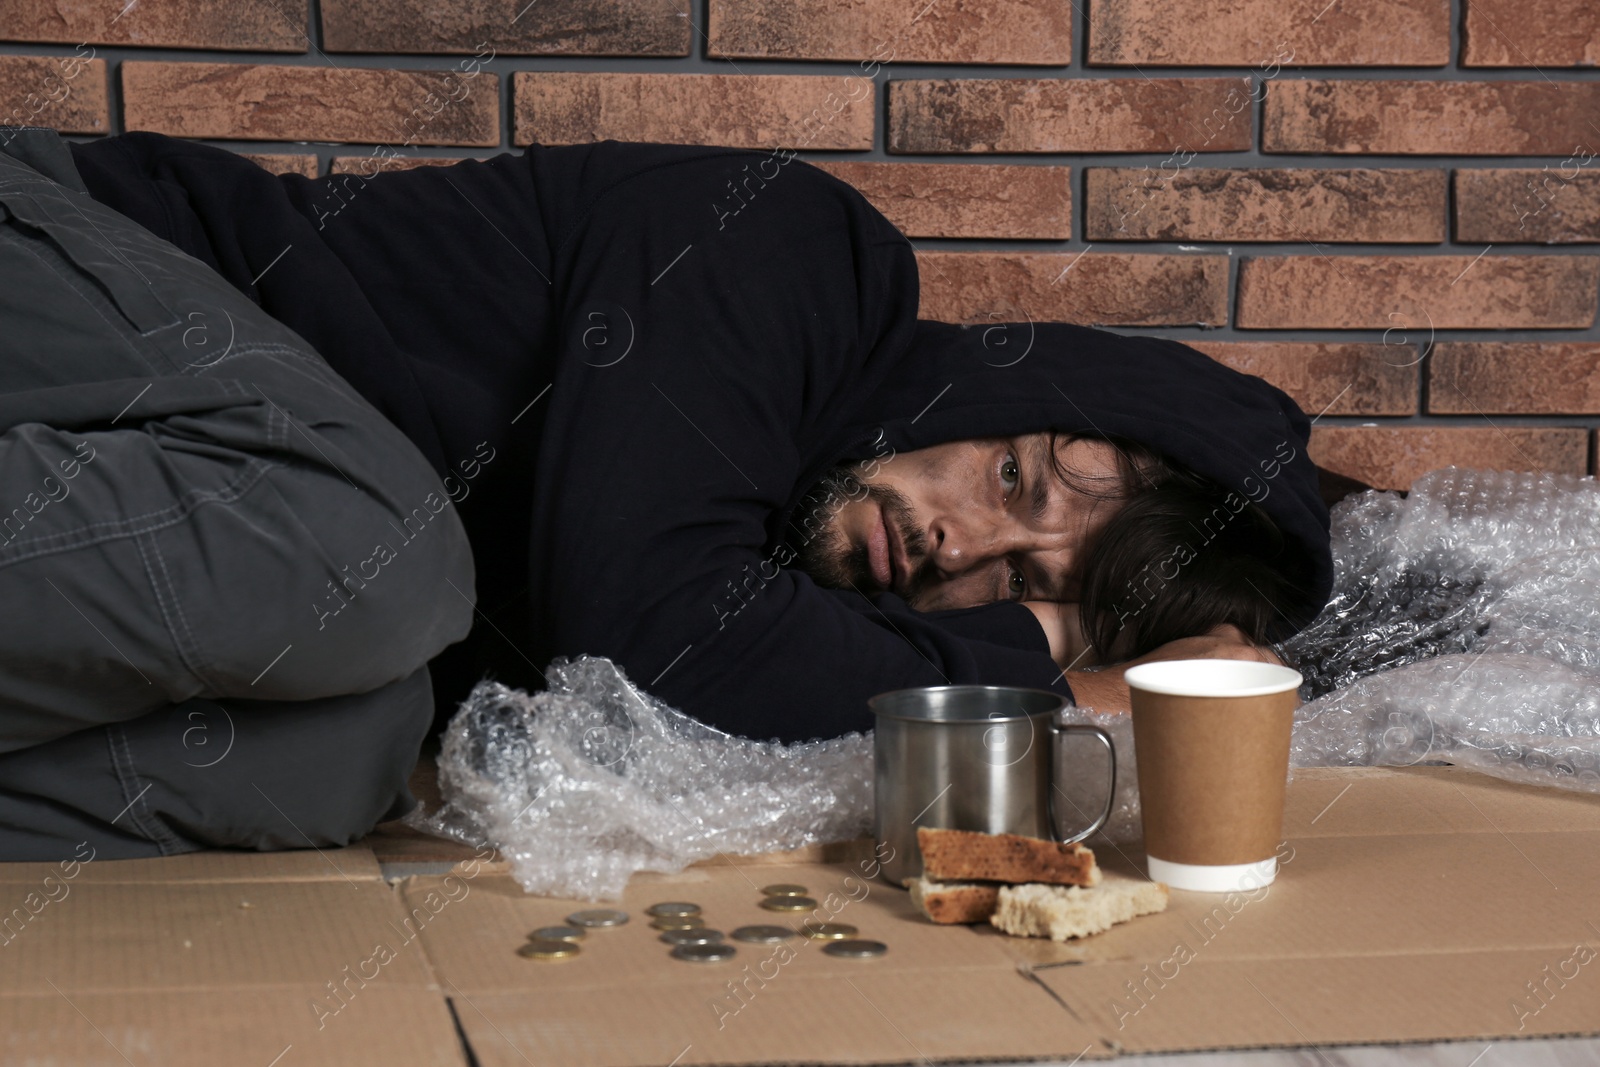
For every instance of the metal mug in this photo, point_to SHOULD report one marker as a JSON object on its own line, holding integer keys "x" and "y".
{"x": 967, "y": 757}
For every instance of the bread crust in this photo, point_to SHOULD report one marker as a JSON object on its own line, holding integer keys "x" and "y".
{"x": 954, "y": 903}
{"x": 967, "y": 856}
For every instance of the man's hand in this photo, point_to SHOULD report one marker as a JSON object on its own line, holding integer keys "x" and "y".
{"x": 1225, "y": 642}
{"x": 1068, "y": 647}
{"x": 1106, "y": 690}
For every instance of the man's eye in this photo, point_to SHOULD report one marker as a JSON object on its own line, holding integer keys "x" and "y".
{"x": 1017, "y": 585}
{"x": 1010, "y": 473}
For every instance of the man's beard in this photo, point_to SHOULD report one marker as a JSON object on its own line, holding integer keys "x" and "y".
{"x": 826, "y": 554}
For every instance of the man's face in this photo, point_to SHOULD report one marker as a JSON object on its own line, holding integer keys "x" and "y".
{"x": 969, "y": 522}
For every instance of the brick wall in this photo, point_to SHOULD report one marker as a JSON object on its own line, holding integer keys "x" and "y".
{"x": 1387, "y": 207}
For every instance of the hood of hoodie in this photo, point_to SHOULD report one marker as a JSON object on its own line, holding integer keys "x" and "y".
{"x": 957, "y": 382}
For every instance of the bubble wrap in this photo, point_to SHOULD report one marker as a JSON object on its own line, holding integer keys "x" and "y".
{"x": 584, "y": 784}
{"x": 1464, "y": 626}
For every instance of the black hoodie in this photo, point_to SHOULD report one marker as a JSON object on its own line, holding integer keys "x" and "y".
{"x": 630, "y": 362}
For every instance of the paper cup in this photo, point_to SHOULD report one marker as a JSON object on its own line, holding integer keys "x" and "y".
{"x": 1211, "y": 738}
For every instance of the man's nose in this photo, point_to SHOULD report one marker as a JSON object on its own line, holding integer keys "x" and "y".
{"x": 957, "y": 545}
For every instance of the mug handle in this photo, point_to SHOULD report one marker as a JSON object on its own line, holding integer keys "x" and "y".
{"x": 1058, "y": 729}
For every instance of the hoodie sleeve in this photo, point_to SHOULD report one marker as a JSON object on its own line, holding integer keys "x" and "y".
{"x": 1005, "y": 622}
{"x": 716, "y": 316}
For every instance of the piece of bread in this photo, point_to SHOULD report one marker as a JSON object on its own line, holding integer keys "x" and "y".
{"x": 968, "y": 856}
{"x": 954, "y": 902}
{"x": 1062, "y": 912}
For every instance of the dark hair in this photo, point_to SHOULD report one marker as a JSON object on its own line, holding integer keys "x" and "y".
{"x": 1181, "y": 557}
{"x": 1138, "y": 466}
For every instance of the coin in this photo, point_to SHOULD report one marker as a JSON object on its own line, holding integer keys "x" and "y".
{"x": 548, "y": 950}
{"x": 762, "y": 935}
{"x": 598, "y": 917}
{"x": 557, "y": 933}
{"x": 784, "y": 889}
{"x": 705, "y": 953}
{"x": 789, "y": 904}
{"x": 855, "y": 950}
{"x": 828, "y": 931}
{"x": 678, "y": 922}
{"x": 692, "y": 937}
{"x": 673, "y": 908}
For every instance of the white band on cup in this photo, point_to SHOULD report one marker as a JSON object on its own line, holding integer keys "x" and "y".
{"x": 1218, "y": 878}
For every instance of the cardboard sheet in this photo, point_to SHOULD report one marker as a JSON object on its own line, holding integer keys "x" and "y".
{"x": 1412, "y": 905}
{"x": 939, "y": 994}
{"x": 214, "y": 958}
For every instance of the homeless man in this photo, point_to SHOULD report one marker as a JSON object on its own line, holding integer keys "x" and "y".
{"x": 631, "y": 374}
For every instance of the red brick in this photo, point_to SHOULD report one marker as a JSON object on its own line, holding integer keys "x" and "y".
{"x": 509, "y": 27}
{"x": 734, "y": 110}
{"x": 246, "y": 25}
{"x": 369, "y": 165}
{"x": 1531, "y": 33}
{"x": 1415, "y": 293}
{"x": 1392, "y": 457}
{"x": 1557, "y": 204}
{"x": 294, "y": 103}
{"x": 1071, "y": 115}
{"x": 1020, "y": 32}
{"x": 1502, "y": 118}
{"x": 1094, "y": 288}
{"x": 1332, "y": 379}
{"x": 284, "y": 162}
{"x": 1512, "y": 378}
{"x": 1151, "y": 204}
{"x": 67, "y": 93}
{"x": 995, "y": 200}
{"x": 1265, "y": 33}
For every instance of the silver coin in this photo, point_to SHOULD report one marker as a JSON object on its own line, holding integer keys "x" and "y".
{"x": 557, "y": 933}
{"x": 598, "y": 917}
{"x": 692, "y": 937}
{"x": 705, "y": 953}
{"x": 673, "y": 908}
{"x": 855, "y": 950}
{"x": 762, "y": 935}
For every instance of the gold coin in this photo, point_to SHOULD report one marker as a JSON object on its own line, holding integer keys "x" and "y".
{"x": 785, "y": 889}
{"x": 548, "y": 950}
{"x": 673, "y": 909}
{"x": 678, "y": 922}
{"x": 557, "y": 933}
{"x": 828, "y": 931}
{"x": 789, "y": 904}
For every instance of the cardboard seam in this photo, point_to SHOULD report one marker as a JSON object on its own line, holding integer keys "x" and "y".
{"x": 163, "y": 990}
{"x": 1159, "y": 1049}
{"x": 1376, "y": 954}
{"x": 616, "y": 982}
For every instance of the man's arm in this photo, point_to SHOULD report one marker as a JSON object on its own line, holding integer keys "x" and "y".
{"x": 705, "y": 362}
{"x": 1105, "y": 689}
